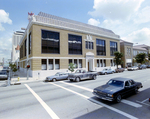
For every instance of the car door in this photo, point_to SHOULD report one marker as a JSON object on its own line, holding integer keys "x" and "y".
{"x": 60, "y": 77}
{"x": 127, "y": 88}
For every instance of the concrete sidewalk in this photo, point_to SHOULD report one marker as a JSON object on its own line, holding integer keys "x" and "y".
{"x": 19, "y": 78}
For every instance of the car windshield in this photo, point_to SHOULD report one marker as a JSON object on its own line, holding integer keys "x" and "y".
{"x": 115, "y": 83}
{"x": 2, "y": 73}
{"x": 57, "y": 74}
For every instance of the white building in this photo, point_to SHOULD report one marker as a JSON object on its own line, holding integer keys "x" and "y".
{"x": 15, "y": 46}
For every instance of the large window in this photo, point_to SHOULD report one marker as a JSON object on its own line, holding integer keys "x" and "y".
{"x": 29, "y": 47}
{"x": 57, "y": 64}
{"x": 44, "y": 64}
{"x": 100, "y": 46}
{"x": 25, "y": 47}
{"x": 50, "y": 42}
{"x": 51, "y": 64}
{"x": 75, "y": 44}
{"x": 113, "y": 47}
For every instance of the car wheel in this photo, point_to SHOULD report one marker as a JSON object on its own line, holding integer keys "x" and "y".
{"x": 118, "y": 98}
{"x": 77, "y": 79}
{"x": 136, "y": 90}
{"x": 54, "y": 80}
{"x": 94, "y": 77}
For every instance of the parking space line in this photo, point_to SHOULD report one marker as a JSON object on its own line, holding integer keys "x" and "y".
{"x": 144, "y": 100}
{"x": 123, "y": 101}
{"x": 131, "y": 103}
{"x": 142, "y": 103}
{"x": 95, "y": 101}
{"x": 46, "y": 107}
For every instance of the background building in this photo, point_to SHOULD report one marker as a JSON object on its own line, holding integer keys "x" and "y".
{"x": 16, "y": 38}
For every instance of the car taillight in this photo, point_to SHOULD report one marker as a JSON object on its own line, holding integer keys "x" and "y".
{"x": 149, "y": 99}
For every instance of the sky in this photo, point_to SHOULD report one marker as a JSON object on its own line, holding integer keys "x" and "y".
{"x": 129, "y": 19}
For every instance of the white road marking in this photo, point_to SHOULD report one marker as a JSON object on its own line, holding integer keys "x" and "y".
{"x": 131, "y": 103}
{"x": 46, "y": 107}
{"x": 102, "y": 104}
{"x": 123, "y": 101}
{"x": 145, "y": 100}
{"x": 142, "y": 103}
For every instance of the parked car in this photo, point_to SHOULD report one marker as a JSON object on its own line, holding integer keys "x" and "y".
{"x": 81, "y": 74}
{"x": 115, "y": 89}
{"x": 3, "y": 75}
{"x": 148, "y": 66}
{"x": 57, "y": 76}
{"x": 143, "y": 66}
{"x": 6, "y": 68}
{"x": 132, "y": 68}
{"x": 106, "y": 71}
{"x": 119, "y": 70}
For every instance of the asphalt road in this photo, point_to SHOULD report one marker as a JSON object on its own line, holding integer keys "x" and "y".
{"x": 67, "y": 100}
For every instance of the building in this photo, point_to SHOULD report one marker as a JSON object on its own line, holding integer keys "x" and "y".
{"x": 50, "y": 43}
{"x": 15, "y": 46}
{"x": 127, "y": 49}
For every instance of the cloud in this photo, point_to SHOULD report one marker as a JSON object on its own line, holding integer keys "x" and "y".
{"x": 115, "y": 9}
{"x": 140, "y": 36}
{"x": 142, "y": 16}
{"x": 4, "y": 18}
{"x": 94, "y": 22}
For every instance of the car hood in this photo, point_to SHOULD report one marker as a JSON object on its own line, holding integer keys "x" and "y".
{"x": 108, "y": 89}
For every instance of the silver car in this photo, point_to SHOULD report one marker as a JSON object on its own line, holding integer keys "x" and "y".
{"x": 57, "y": 76}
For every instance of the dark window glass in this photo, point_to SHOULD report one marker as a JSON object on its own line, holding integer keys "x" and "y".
{"x": 29, "y": 47}
{"x": 89, "y": 45}
{"x": 75, "y": 63}
{"x": 104, "y": 63}
{"x": 98, "y": 65}
{"x": 57, "y": 64}
{"x": 86, "y": 43}
{"x": 25, "y": 47}
{"x": 51, "y": 64}
{"x": 70, "y": 61}
{"x": 80, "y": 63}
{"x": 113, "y": 47}
{"x": 75, "y": 44}
{"x": 44, "y": 64}
{"x": 100, "y": 45}
{"x": 50, "y": 42}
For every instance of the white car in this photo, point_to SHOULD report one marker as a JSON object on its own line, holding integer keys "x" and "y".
{"x": 133, "y": 68}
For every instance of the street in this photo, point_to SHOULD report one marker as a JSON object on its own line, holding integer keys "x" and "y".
{"x": 67, "y": 100}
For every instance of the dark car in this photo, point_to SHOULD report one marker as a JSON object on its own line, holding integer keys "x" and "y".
{"x": 115, "y": 89}
{"x": 119, "y": 70}
{"x": 142, "y": 66}
{"x": 57, "y": 76}
{"x": 148, "y": 66}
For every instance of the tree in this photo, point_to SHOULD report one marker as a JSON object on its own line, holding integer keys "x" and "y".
{"x": 71, "y": 67}
{"x": 140, "y": 58}
{"x": 148, "y": 57}
{"x": 13, "y": 67}
{"x": 117, "y": 59}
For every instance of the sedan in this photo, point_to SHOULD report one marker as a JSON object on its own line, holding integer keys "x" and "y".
{"x": 3, "y": 75}
{"x": 106, "y": 71}
{"x": 57, "y": 76}
{"x": 119, "y": 70}
{"x": 133, "y": 68}
{"x": 115, "y": 89}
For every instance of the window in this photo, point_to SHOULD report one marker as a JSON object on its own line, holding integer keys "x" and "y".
{"x": 50, "y": 42}
{"x": 80, "y": 63}
{"x": 88, "y": 45}
{"x": 101, "y": 63}
{"x": 113, "y": 47}
{"x": 70, "y": 61}
{"x": 75, "y": 63}
{"x": 30, "y": 43}
{"x": 100, "y": 47}
{"x": 51, "y": 64}
{"x": 57, "y": 64}
{"x": 25, "y": 47}
{"x": 44, "y": 64}
{"x": 74, "y": 44}
{"x": 104, "y": 63}
{"x": 98, "y": 65}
